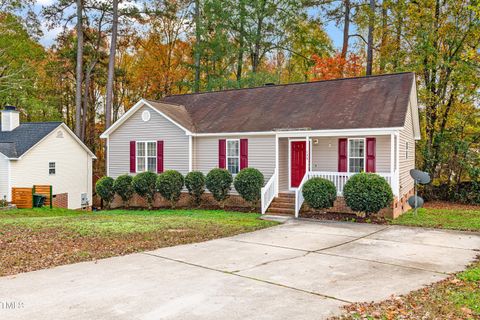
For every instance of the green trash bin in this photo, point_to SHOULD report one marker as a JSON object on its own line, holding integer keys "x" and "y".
{"x": 38, "y": 200}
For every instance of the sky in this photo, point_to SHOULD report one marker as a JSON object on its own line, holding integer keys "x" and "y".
{"x": 49, "y": 35}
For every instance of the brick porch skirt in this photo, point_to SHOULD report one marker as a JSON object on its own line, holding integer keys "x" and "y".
{"x": 185, "y": 201}
{"x": 397, "y": 208}
{"x": 235, "y": 202}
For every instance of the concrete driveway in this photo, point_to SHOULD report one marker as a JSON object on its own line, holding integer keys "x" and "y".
{"x": 299, "y": 270}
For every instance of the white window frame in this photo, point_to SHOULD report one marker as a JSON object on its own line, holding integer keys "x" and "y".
{"x": 227, "y": 157}
{"x": 364, "y": 154}
{"x": 407, "y": 149}
{"x": 54, "y": 168}
{"x": 146, "y": 155}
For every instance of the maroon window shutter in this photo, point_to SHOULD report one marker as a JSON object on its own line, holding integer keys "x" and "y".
{"x": 159, "y": 156}
{"x": 371, "y": 146}
{"x": 133, "y": 162}
{"x": 222, "y": 153}
{"x": 342, "y": 155}
{"x": 243, "y": 153}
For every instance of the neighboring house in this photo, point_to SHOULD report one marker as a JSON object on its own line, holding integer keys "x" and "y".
{"x": 351, "y": 125}
{"x": 44, "y": 153}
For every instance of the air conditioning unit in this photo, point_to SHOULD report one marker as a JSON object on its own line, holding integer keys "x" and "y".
{"x": 84, "y": 200}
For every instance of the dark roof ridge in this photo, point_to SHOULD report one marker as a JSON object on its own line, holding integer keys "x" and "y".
{"x": 39, "y": 122}
{"x": 281, "y": 85}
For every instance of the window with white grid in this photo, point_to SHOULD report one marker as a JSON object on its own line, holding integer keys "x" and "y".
{"x": 356, "y": 155}
{"x": 233, "y": 156}
{"x": 146, "y": 156}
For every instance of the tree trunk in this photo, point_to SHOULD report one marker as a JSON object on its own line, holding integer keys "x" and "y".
{"x": 383, "y": 41}
{"x": 398, "y": 36}
{"x": 371, "y": 25}
{"x": 196, "y": 87}
{"x": 79, "y": 70}
{"x": 258, "y": 37}
{"x": 88, "y": 76}
{"x": 241, "y": 40}
{"x": 346, "y": 28}
{"x": 111, "y": 72}
{"x": 111, "y": 66}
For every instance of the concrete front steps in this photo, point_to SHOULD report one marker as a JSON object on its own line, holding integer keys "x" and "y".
{"x": 283, "y": 205}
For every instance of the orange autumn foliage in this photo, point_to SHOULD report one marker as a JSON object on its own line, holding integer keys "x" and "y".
{"x": 336, "y": 67}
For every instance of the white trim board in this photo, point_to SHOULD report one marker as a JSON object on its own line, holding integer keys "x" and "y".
{"x": 311, "y": 133}
{"x": 132, "y": 110}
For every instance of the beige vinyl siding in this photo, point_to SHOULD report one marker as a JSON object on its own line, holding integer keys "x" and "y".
{"x": 325, "y": 153}
{"x": 4, "y": 178}
{"x": 283, "y": 164}
{"x": 175, "y": 149}
{"x": 325, "y": 156}
{"x": 73, "y": 167}
{"x": 261, "y": 153}
{"x": 405, "y": 165}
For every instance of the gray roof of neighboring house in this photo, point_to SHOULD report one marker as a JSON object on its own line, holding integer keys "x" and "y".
{"x": 364, "y": 102}
{"x": 15, "y": 143}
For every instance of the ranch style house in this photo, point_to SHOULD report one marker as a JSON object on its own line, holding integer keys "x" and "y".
{"x": 331, "y": 129}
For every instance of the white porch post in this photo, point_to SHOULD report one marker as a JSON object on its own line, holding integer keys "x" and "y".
{"x": 397, "y": 167}
{"x": 276, "y": 172}
{"x": 190, "y": 153}
{"x": 393, "y": 154}
{"x": 307, "y": 154}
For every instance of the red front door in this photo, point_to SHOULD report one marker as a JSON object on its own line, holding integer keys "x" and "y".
{"x": 297, "y": 162}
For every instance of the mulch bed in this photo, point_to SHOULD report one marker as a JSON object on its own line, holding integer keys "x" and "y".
{"x": 450, "y": 205}
{"x": 343, "y": 217}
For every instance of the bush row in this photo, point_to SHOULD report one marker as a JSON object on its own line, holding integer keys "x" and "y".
{"x": 363, "y": 192}
{"x": 169, "y": 184}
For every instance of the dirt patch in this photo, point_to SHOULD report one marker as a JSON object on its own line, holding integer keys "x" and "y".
{"x": 343, "y": 217}
{"x": 450, "y": 205}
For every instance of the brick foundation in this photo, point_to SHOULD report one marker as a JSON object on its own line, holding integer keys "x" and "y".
{"x": 60, "y": 200}
{"x": 398, "y": 207}
{"x": 234, "y": 202}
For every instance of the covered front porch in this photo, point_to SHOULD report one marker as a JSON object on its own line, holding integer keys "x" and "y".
{"x": 334, "y": 157}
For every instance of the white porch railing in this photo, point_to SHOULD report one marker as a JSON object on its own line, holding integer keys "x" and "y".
{"x": 299, "y": 195}
{"x": 268, "y": 192}
{"x": 339, "y": 179}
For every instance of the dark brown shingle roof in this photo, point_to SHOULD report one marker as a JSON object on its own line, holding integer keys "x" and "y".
{"x": 364, "y": 102}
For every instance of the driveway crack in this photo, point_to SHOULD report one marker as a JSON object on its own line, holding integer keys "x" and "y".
{"x": 273, "y": 261}
{"x": 248, "y": 277}
{"x": 353, "y": 240}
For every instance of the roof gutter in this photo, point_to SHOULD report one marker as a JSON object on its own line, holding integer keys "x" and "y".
{"x": 293, "y": 133}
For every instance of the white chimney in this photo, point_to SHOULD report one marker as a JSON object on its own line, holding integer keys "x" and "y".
{"x": 10, "y": 118}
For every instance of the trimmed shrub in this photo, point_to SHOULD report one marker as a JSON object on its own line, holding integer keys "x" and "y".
{"x": 195, "y": 183}
{"x": 169, "y": 185}
{"x": 144, "y": 185}
{"x": 248, "y": 183}
{"x": 319, "y": 193}
{"x": 368, "y": 193}
{"x": 219, "y": 183}
{"x": 123, "y": 187}
{"x": 104, "y": 188}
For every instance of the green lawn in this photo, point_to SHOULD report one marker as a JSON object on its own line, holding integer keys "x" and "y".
{"x": 39, "y": 238}
{"x": 457, "y": 219}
